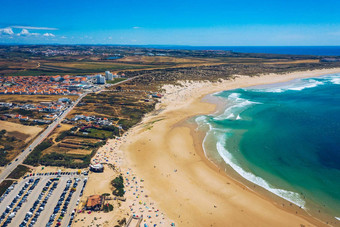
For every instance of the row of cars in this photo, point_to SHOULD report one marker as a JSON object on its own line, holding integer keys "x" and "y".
{"x": 80, "y": 195}
{"x": 64, "y": 202}
{"x": 39, "y": 205}
{"x": 12, "y": 209}
{"x": 8, "y": 190}
{"x": 52, "y": 174}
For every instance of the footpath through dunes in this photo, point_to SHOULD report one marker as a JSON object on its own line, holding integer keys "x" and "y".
{"x": 191, "y": 191}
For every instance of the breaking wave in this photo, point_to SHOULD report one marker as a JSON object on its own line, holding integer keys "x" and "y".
{"x": 292, "y": 197}
{"x": 237, "y": 106}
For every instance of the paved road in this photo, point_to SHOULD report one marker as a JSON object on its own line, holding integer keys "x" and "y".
{"x": 21, "y": 157}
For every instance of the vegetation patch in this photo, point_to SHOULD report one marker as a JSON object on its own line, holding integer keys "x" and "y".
{"x": 116, "y": 80}
{"x": 66, "y": 160}
{"x": 34, "y": 157}
{"x": 107, "y": 208}
{"x": 118, "y": 184}
{"x": 19, "y": 172}
{"x": 10, "y": 145}
{"x": 4, "y": 185}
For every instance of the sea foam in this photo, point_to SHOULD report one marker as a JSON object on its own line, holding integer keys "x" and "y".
{"x": 334, "y": 79}
{"x": 292, "y": 197}
{"x": 298, "y": 86}
{"x": 237, "y": 106}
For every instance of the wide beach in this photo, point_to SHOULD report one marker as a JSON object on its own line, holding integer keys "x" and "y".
{"x": 191, "y": 190}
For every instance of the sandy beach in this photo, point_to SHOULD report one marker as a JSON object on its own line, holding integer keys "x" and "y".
{"x": 186, "y": 186}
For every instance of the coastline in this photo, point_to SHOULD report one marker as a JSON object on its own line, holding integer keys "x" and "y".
{"x": 188, "y": 187}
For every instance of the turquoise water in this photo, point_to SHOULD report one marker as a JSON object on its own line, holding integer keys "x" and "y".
{"x": 283, "y": 137}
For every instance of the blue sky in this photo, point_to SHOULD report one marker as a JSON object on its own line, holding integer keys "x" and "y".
{"x": 176, "y": 22}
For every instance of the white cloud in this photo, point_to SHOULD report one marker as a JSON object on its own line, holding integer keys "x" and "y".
{"x": 25, "y": 32}
{"x": 136, "y": 27}
{"x": 49, "y": 35}
{"x": 34, "y": 28}
{"x": 6, "y": 31}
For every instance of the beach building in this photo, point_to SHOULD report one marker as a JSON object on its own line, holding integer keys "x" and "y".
{"x": 100, "y": 79}
{"x": 94, "y": 202}
{"x": 99, "y": 168}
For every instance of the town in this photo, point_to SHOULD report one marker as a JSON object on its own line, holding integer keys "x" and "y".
{"x": 46, "y": 111}
{"x": 52, "y": 85}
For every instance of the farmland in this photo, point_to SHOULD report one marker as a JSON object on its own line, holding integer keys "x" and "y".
{"x": 80, "y": 60}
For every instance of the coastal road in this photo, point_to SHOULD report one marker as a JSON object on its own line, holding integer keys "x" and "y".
{"x": 21, "y": 157}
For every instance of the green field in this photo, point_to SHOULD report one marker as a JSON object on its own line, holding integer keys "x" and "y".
{"x": 117, "y": 80}
{"x": 103, "y": 134}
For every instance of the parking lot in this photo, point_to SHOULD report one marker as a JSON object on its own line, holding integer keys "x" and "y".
{"x": 47, "y": 199}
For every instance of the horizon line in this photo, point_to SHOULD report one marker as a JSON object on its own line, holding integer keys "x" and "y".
{"x": 179, "y": 45}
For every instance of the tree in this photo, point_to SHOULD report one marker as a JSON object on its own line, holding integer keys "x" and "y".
{"x": 107, "y": 208}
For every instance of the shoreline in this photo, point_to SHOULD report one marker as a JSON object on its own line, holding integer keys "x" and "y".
{"x": 178, "y": 105}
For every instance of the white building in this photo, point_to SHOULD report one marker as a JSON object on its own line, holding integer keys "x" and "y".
{"x": 108, "y": 75}
{"x": 97, "y": 168}
{"x": 100, "y": 79}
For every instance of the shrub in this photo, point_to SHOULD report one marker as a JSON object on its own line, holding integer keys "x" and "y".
{"x": 34, "y": 156}
{"x": 62, "y": 135}
{"x": 118, "y": 183}
{"x": 107, "y": 208}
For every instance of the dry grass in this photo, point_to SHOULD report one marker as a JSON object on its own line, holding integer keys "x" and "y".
{"x": 163, "y": 60}
{"x": 294, "y": 62}
{"x": 79, "y": 152}
{"x": 22, "y": 134}
{"x": 91, "y": 65}
{"x": 34, "y": 98}
{"x": 18, "y": 135}
{"x": 63, "y": 150}
{"x": 70, "y": 139}
{"x": 12, "y": 66}
{"x": 58, "y": 130}
{"x": 22, "y": 131}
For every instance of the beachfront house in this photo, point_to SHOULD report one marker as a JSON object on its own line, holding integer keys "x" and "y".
{"x": 94, "y": 202}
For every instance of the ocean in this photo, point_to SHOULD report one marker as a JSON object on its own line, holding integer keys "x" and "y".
{"x": 283, "y": 137}
{"x": 292, "y": 50}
